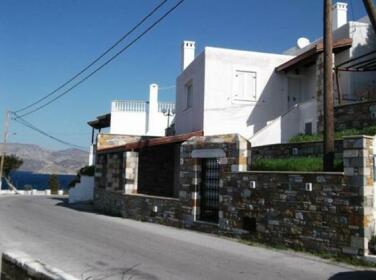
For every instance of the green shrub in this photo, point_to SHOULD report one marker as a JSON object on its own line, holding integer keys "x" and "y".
{"x": 293, "y": 164}
{"x": 305, "y": 138}
{"x": 53, "y": 183}
{"x": 87, "y": 171}
{"x": 371, "y": 130}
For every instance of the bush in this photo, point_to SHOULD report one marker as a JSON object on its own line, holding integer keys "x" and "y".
{"x": 53, "y": 183}
{"x": 293, "y": 164}
{"x": 371, "y": 130}
{"x": 11, "y": 162}
{"x": 87, "y": 171}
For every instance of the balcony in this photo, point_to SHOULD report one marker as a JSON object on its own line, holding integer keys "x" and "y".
{"x": 139, "y": 106}
{"x": 129, "y": 106}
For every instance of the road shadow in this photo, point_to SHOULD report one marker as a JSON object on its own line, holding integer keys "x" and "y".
{"x": 355, "y": 275}
{"x": 79, "y": 206}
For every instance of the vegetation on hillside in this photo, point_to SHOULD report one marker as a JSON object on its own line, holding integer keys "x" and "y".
{"x": 293, "y": 164}
{"x": 371, "y": 130}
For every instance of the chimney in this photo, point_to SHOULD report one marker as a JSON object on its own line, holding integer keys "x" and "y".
{"x": 339, "y": 10}
{"x": 153, "y": 109}
{"x": 188, "y": 53}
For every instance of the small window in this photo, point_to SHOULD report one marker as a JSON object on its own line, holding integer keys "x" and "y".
{"x": 245, "y": 85}
{"x": 308, "y": 128}
{"x": 188, "y": 95}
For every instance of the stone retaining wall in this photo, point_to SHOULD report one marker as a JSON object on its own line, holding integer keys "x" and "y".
{"x": 316, "y": 211}
{"x": 17, "y": 265}
{"x": 312, "y": 211}
{"x": 161, "y": 210}
{"x": 356, "y": 115}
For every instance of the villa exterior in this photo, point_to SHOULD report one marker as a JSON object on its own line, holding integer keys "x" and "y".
{"x": 268, "y": 98}
{"x": 232, "y": 108}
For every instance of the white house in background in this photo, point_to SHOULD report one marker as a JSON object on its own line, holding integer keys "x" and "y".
{"x": 134, "y": 118}
{"x": 267, "y": 98}
{"x": 228, "y": 91}
{"x": 140, "y": 118}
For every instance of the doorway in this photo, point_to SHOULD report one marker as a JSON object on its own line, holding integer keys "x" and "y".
{"x": 209, "y": 190}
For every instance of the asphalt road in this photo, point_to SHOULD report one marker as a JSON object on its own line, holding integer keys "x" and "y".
{"x": 98, "y": 247}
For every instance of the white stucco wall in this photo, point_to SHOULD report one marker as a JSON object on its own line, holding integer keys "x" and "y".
{"x": 130, "y": 123}
{"x": 191, "y": 119}
{"x": 83, "y": 191}
{"x": 281, "y": 129}
{"x": 215, "y": 108}
{"x": 223, "y": 113}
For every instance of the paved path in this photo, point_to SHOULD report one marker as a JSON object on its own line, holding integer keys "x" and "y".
{"x": 97, "y": 247}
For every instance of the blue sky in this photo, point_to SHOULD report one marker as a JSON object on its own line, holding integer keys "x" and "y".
{"x": 45, "y": 42}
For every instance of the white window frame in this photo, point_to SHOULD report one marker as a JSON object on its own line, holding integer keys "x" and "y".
{"x": 188, "y": 96}
{"x": 234, "y": 84}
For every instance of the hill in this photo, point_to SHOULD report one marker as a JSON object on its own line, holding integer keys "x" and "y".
{"x": 40, "y": 160}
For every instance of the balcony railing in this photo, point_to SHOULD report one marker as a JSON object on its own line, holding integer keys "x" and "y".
{"x": 128, "y": 106}
{"x": 165, "y": 107}
{"x": 139, "y": 106}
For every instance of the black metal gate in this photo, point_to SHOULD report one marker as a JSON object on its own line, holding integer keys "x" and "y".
{"x": 209, "y": 190}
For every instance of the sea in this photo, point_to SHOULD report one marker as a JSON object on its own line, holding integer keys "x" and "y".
{"x": 22, "y": 179}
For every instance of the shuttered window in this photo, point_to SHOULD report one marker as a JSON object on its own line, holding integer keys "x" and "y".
{"x": 245, "y": 85}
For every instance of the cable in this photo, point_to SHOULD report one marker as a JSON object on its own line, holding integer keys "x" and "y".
{"x": 108, "y": 61}
{"x": 167, "y": 87}
{"x": 97, "y": 59}
{"x": 22, "y": 121}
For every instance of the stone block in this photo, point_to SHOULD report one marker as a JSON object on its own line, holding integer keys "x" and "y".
{"x": 359, "y": 242}
{"x": 350, "y": 153}
{"x": 350, "y": 251}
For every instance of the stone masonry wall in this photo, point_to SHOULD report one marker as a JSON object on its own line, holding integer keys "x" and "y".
{"x": 357, "y": 115}
{"x": 109, "y": 171}
{"x": 276, "y": 207}
{"x": 232, "y": 152}
{"x": 161, "y": 210}
{"x": 316, "y": 211}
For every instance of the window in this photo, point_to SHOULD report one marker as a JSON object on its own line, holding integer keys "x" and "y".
{"x": 245, "y": 85}
{"x": 188, "y": 95}
{"x": 308, "y": 128}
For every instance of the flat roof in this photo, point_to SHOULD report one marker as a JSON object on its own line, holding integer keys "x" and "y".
{"x": 309, "y": 55}
{"x": 102, "y": 121}
{"x": 144, "y": 143}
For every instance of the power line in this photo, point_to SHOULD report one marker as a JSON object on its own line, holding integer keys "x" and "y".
{"x": 167, "y": 87}
{"x": 25, "y": 123}
{"x": 97, "y": 59}
{"x": 108, "y": 61}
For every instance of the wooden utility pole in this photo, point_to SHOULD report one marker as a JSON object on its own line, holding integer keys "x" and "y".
{"x": 328, "y": 89}
{"x": 371, "y": 11}
{"x": 6, "y": 126}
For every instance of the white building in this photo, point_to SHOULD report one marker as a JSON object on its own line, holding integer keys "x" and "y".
{"x": 134, "y": 117}
{"x": 267, "y": 98}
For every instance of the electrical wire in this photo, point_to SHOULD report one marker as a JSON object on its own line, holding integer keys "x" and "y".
{"x": 29, "y": 125}
{"x": 108, "y": 61}
{"x": 97, "y": 59}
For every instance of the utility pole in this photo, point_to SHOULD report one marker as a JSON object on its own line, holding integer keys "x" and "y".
{"x": 371, "y": 11}
{"x": 328, "y": 89}
{"x": 6, "y": 127}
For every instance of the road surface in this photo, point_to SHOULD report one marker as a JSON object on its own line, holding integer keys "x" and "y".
{"x": 98, "y": 247}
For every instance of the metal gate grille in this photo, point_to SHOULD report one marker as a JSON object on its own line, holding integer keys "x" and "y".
{"x": 209, "y": 190}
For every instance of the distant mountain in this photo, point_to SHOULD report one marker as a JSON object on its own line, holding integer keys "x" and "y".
{"x": 39, "y": 160}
